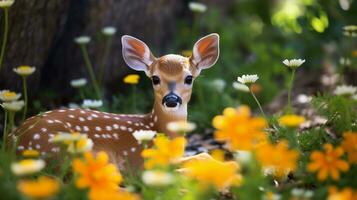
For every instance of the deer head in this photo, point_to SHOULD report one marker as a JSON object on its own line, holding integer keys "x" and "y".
{"x": 172, "y": 75}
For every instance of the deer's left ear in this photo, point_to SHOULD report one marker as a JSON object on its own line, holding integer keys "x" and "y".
{"x": 205, "y": 52}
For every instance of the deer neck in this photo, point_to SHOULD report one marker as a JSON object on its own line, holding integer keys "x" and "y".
{"x": 162, "y": 117}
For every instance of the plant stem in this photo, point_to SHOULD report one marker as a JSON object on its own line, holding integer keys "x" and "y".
{"x": 10, "y": 117}
{"x": 81, "y": 93}
{"x": 105, "y": 58}
{"x": 289, "y": 108}
{"x": 134, "y": 98}
{"x": 256, "y": 100}
{"x": 4, "y": 135}
{"x": 25, "y": 98}
{"x": 90, "y": 70}
{"x": 4, "y": 40}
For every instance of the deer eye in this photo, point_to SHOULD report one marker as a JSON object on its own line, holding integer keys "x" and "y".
{"x": 188, "y": 80}
{"x": 155, "y": 80}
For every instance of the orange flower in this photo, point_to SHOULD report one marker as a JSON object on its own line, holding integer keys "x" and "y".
{"x": 41, "y": 188}
{"x": 96, "y": 173}
{"x": 256, "y": 88}
{"x": 328, "y": 162}
{"x": 99, "y": 194}
{"x": 349, "y": 144}
{"x": 165, "y": 151}
{"x": 277, "y": 158}
{"x": 213, "y": 172}
{"x": 239, "y": 129}
{"x": 344, "y": 194}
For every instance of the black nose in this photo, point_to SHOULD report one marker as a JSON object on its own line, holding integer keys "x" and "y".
{"x": 171, "y": 100}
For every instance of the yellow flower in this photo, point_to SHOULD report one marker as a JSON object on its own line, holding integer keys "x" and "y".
{"x": 84, "y": 144}
{"x": 43, "y": 187}
{"x": 277, "y": 158}
{"x": 349, "y": 144}
{"x": 96, "y": 173}
{"x": 186, "y": 53}
{"x": 239, "y": 129}
{"x": 6, "y": 95}
{"x": 327, "y": 162}
{"x": 30, "y": 153}
{"x": 354, "y": 53}
{"x": 131, "y": 79}
{"x": 218, "y": 154}
{"x": 344, "y": 194}
{"x": 24, "y": 70}
{"x": 6, "y": 3}
{"x": 27, "y": 166}
{"x": 165, "y": 151}
{"x": 292, "y": 121}
{"x": 208, "y": 172}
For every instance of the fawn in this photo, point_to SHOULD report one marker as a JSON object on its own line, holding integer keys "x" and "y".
{"x": 172, "y": 78}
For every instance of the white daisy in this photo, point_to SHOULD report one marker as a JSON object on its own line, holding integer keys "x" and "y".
{"x": 82, "y": 39}
{"x": 144, "y": 135}
{"x": 27, "y": 166}
{"x": 218, "y": 84}
{"x": 157, "y": 178}
{"x": 181, "y": 126}
{"x": 88, "y": 103}
{"x": 240, "y": 87}
{"x": 345, "y": 90}
{"x": 248, "y": 78}
{"x": 6, "y": 3}
{"x": 24, "y": 70}
{"x": 13, "y": 106}
{"x": 77, "y": 83}
{"x": 197, "y": 7}
{"x": 293, "y": 63}
{"x": 84, "y": 144}
{"x": 7, "y": 95}
{"x": 109, "y": 30}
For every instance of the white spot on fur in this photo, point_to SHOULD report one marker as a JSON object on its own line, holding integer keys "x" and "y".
{"x": 44, "y": 129}
{"x": 81, "y": 119}
{"x": 85, "y": 128}
{"x": 36, "y": 136}
{"x": 78, "y": 128}
{"x": 133, "y": 149}
{"x": 115, "y": 126}
{"x": 71, "y": 116}
{"x": 50, "y": 121}
{"x": 108, "y": 128}
{"x": 97, "y": 128}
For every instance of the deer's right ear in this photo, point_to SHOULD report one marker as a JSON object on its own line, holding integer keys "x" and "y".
{"x": 136, "y": 53}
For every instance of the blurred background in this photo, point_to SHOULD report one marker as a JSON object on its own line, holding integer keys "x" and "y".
{"x": 256, "y": 36}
